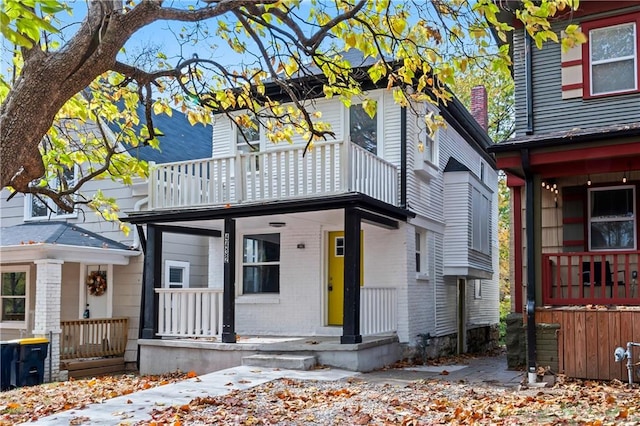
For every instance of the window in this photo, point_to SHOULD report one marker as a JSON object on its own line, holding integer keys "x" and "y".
{"x": 363, "y": 129}
{"x": 480, "y": 221}
{"x": 612, "y": 223}
{"x": 430, "y": 153}
{"x": 38, "y": 207}
{"x": 13, "y": 294}
{"x": 248, "y": 135}
{"x": 421, "y": 254}
{"x": 261, "y": 263}
{"x": 477, "y": 289}
{"x": 176, "y": 274}
{"x": 612, "y": 51}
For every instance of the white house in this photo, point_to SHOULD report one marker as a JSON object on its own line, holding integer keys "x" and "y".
{"x": 365, "y": 235}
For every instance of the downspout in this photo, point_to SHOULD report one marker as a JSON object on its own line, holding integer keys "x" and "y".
{"x": 403, "y": 157}
{"x": 136, "y": 208}
{"x": 528, "y": 82}
{"x": 138, "y": 242}
{"x": 531, "y": 272}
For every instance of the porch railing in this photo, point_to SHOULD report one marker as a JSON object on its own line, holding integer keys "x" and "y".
{"x": 95, "y": 337}
{"x": 329, "y": 168}
{"x": 197, "y": 312}
{"x": 189, "y": 312}
{"x": 378, "y": 310}
{"x": 590, "y": 278}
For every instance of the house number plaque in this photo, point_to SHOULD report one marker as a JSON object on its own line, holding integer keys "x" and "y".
{"x": 226, "y": 247}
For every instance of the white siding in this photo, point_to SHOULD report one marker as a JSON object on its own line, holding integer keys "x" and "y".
{"x": 188, "y": 248}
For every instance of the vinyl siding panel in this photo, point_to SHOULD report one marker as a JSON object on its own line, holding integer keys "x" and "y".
{"x": 551, "y": 112}
{"x": 188, "y": 248}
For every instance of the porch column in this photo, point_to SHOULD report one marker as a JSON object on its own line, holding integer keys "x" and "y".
{"x": 229, "y": 294}
{"x": 47, "y": 311}
{"x": 352, "y": 249}
{"x": 152, "y": 280}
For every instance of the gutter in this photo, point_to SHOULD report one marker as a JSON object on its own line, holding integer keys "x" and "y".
{"x": 531, "y": 273}
{"x": 403, "y": 157}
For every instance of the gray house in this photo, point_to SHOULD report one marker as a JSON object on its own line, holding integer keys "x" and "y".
{"x": 573, "y": 169}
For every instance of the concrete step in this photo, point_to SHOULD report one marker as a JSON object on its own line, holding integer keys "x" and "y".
{"x": 289, "y": 362}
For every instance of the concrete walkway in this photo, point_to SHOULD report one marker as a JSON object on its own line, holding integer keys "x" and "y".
{"x": 137, "y": 406}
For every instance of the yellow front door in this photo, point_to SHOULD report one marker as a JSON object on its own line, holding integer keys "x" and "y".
{"x": 336, "y": 276}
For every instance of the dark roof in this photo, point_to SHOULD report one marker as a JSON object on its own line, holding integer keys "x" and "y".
{"x": 454, "y": 165}
{"x": 54, "y": 233}
{"x": 576, "y": 135}
{"x": 180, "y": 141}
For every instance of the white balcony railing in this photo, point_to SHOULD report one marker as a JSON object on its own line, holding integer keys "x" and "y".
{"x": 329, "y": 168}
{"x": 189, "y": 312}
{"x": 197, "y": 312}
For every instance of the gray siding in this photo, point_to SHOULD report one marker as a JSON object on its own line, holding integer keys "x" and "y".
{"x": 550, "y": 112}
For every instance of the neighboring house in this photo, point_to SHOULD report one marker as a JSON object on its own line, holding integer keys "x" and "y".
{"x": 574, "y": 169}
{"x": 47, "y": 260}
{"x": 365, "y": 235}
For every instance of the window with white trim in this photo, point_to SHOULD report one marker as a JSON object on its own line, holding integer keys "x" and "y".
{"x": 176, "y": 274}
{"x": 612, "y": 218}
{"x": 248, "y": 135}
{"x": 422, "y": 262}
{"x": 480, "y": 221}
{"x": 477, "y": 289}
{"x": 363, "y": 129}
{"x": 41, "y": 207}
{"x": 13, "y": 295}
{"x": 261, "y": 263}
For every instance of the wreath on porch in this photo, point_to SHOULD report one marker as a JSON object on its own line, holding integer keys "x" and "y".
{"x": 97, "y": 283}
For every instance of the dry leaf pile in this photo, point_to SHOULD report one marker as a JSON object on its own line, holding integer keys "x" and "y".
{"x": 355, "y": 402}
{"x": 33, "y": 402}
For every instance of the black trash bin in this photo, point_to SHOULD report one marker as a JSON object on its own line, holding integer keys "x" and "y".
{"x": 8, "y": 355}
{"x": 30, "y": 361}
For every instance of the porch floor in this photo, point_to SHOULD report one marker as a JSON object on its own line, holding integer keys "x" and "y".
{"x": 206, "y": 355}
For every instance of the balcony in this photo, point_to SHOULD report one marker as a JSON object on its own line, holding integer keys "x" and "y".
{"x": 590, "y": 278}
{"x": 328, "y": 169}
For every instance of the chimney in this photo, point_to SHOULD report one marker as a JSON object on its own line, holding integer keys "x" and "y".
{"x": 479, "y": 106}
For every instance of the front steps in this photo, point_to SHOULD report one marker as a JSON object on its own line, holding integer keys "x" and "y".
{"x": 284, "y": 361}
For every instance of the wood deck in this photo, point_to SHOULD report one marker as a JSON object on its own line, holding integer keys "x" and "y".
{"x": 587, "y": 339}
{"x": 92, "y": 368}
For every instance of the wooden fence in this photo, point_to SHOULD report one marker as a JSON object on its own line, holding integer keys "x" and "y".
{"x": 587, "y": 338}
{"x": 94, "y": 337}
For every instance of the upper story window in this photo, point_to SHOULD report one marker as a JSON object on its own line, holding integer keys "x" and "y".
{"x": 13, "y": 295}
{"x": 40, "y": 207}
{"x": 612, "y": 55}
{"x": 363, "y": 129}
{"x": 261, "y": 263}
{"x": 480, "y": 221}
{"x": 612, "y": 223}
{"x": 248, "y": 135}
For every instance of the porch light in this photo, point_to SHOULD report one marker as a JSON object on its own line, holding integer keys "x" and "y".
{"x": 588, "y": 180}
{"x": 624, "y": 177}
{"x": 277, "y": 224}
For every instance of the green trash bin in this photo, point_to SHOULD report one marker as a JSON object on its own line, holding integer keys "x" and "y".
{"x": 8, "y": 353}
{"x": 31, "y": 353}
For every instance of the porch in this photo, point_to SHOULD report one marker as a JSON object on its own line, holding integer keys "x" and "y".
{"x": 95, "y": 346}
{"x": 329, "y": 168}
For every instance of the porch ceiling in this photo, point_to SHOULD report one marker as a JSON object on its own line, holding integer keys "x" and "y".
{"x": 31, "y": 252}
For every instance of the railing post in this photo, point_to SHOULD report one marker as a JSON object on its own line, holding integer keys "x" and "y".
{"x": 345, "y": 166}
{"x": 152, "y": 184}
{"x": 240, "y": 177}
